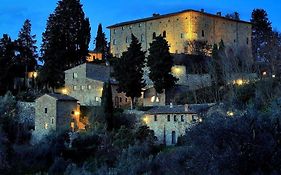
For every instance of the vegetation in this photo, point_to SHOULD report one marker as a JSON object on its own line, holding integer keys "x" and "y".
{"x": 65, "y": 42}
{"x": 128, "y": 70}
{"x": 160, "y": 64}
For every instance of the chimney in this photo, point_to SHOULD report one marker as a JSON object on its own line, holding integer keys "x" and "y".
{"x": 202, "y": 10}
{"x": 219, "y": 13}
{"x": 186, "y": 108}
{"x": 171, "y": 105}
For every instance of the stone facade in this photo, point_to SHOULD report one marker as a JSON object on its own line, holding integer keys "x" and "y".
{"x": 180, "y": 27}
{"x": 85, "y": 83}
{"x": 170, "y": 122}
{"x": 55, "y": 112}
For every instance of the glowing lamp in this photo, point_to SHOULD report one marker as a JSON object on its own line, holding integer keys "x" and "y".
{"x": 264, "y": 73}
{"x": 145, "y": 120}
{"x": 273, "y": 76}
{"x": 230, "y": 113}
{"x": 64, "y": 91}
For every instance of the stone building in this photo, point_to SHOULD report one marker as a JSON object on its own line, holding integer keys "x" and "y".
{"x": 85, "y": 83}
{"x": 56, "y": 112}
{"x": 171, "y": 121}
{"x": 179, "y": 27}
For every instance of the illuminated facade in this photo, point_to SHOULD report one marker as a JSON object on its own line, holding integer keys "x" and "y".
{"x": 180, "y": 27}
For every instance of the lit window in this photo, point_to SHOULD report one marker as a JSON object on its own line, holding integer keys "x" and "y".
{"x": 82, "y": 87}
{"x": 46, "y": 110}
{"x": 46, "y": 125}
{"x": 75, "y": 75}
{"x": 155, "y": 117}
{"x": 152, "y": 99}
{"x": 168, "y": 118}
{"x": 72, "y": 125}
{"x": 97, "y": 99}
{"x": 75, "y": 87}
{"x": 157, "y": 99}
{"x": 89, "y": 87}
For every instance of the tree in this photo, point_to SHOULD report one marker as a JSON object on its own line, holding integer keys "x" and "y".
{"x": 27, "y": 49}
{"x": 107, "y": 105}
{"x": 128, "y": 70}
{"x": 160, "y": 63}
{"x": 234, "y": 15}
{"x": 261, "y": 33}
{"x": 65, "y": 40}
{"x": 7, "y": 57}
{"x": 101, "y": 43}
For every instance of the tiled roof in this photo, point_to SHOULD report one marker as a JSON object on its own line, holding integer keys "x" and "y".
{"x": 172, "y": 14}
{"x": 62, "y": 97}
{"x": 179, "y": 109}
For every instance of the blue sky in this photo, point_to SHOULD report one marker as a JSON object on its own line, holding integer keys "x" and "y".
{"x": 108, "y": 12}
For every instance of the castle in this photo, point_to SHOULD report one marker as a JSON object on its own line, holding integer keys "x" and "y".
{"x": 180, "y": 27}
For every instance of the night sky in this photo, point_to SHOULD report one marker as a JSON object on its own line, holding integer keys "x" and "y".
{"x": 108, "y": 12}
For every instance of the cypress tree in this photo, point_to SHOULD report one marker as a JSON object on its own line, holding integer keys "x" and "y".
{"x": 160, "y": 63}
{"x": 261, "y": 33}
{"x": 128, "y": 70}
{"x": 107, "y": 105}
{"x": 101, "y": 43}
{"x": 26, "y": 45}
{"x": 65, "y": 40}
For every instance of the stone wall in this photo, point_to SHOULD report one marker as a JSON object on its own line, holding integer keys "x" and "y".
{"x": 26, "y": 113}
{"x": 180, "y": 27}
{"x": 163, "y": 128}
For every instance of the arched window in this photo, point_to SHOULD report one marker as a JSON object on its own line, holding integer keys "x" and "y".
{"x": 154, "y": 35}
{"x": 164, "y": 34}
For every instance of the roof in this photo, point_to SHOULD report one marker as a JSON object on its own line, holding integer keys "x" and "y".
{"x": 173, "y": 14}
{"x": 62, "y": 97}
{"x": 179, "y": 109}
{"x": 98, "y": 72}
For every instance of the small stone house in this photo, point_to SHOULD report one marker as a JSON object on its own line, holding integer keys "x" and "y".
{"x": 169, "y": 122}
{"x": 56, "y": 112}
{"x": 85, "y": 83}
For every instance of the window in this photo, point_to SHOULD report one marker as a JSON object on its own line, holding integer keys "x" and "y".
{"x": 247, "y": 40}
{"x": 114, "y": 31}
{"x": 120, "y": 99}
{"x": 173, "y": 137}
{"x": 175, "y": 118}
{"x": 194, "y": 118}
{"x": 127, "y": 39}
{"x": 46, "y": 125}
{"x": 83, "y": 87}
{"x": 114, "y": 42}
{"x": 75, "y": 75}
{"x": 75, "y": 87}
{"x": 126, "y": 99}
{"x": 164, "y": 34}
{"x": 89, "y": 87}
{"x": 140, "y": 25}
{"x": 52, "y": 120}
{"x": 181, "y": 35}
{"x": 72, "y": 125}
{"x": 203, "y": 33}
{"x": 168, "y": 118}
{"x": 155, "y": 117}
{"x": 46, "y": 110}
{"x": 154, "y": 35}
{"x": 131, "y": 26}
{"x": 182, "y": 119}
{"x": 142, "y": 37}
{"x": 122, "y": 28}
{"x": 97, "y": 99}
{"x": 234, "y": 41}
